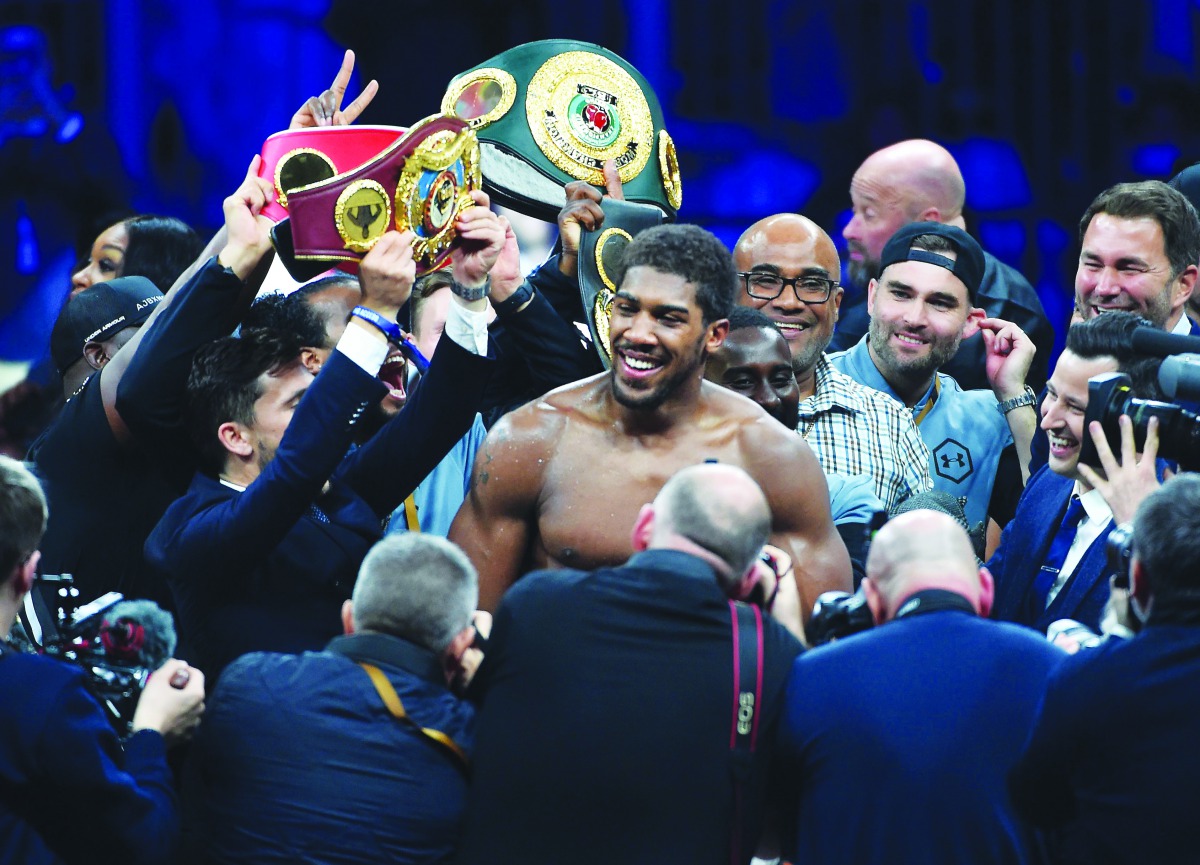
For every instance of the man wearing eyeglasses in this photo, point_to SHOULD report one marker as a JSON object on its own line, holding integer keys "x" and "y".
{"x": 787, "y": 266}
{"x": 921, "y": 308}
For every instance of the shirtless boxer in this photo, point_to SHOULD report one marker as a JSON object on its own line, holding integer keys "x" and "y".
{"x": 559, "y": 482}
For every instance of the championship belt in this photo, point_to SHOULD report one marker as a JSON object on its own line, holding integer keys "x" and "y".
{"x": 419, "y": 183}
{"x": 551, "y": 112}
{"x": 600, "y": 255}
{"x": 298, "y": 157}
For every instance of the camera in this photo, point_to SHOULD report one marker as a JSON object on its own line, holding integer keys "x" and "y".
{"x": 1110, "y": 396}
{"x": 117, "y": 643}
{"x": 838, "y": 614}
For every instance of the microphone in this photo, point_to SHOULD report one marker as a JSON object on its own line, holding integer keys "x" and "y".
{"x": 1159, "y": 343}
{"x": 138, "y": 633}
{"x": 1179, "y": 376}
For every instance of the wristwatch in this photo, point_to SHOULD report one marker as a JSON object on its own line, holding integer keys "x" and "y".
{"x": 390, "y": 329}
{"x": 1027, "y": 398}
{"x": 470, "y": 294}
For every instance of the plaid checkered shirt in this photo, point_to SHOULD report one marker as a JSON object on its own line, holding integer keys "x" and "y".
{"x": 856, "y": 430}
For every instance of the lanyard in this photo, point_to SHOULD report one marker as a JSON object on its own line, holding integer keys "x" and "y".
{"x": 937, "y": 388}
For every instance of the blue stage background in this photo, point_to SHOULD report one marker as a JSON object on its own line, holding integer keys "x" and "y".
{"x": 772, "y": 106}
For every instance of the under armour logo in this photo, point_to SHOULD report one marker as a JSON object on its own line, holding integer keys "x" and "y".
{"x": 952, "y": 461}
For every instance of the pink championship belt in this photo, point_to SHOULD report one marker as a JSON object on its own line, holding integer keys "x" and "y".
{"x": 419, "y": 183}
{"x": 298, "y": 157}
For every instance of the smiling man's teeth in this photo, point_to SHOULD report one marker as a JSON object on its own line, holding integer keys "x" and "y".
{"x": 908, "y": 340}
{"x": 1059, "y": 441}
{"x": 635, "y": 363}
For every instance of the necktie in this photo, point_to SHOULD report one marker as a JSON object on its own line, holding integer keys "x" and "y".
{"x": 1056, "y": 555}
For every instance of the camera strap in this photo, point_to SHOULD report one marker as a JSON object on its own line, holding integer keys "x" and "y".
{"x": 392, "y": 701}
{"x": 747, "y": 626}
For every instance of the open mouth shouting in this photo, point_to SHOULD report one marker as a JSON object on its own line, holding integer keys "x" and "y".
{"x": 394, "y": 373}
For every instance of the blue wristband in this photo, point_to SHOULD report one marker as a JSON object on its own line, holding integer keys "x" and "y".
{"x": 390, "y": 329}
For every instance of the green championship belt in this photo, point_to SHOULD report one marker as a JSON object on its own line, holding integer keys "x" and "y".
{"x": 547, "y": 113}
{"x": 600, "y": 263}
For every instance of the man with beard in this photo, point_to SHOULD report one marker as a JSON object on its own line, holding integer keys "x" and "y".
{"x": 559, "y": 481}
{"x": 921, "y": 308}
{"x": 919, "y": 181}
{"x": 788, "y": 269}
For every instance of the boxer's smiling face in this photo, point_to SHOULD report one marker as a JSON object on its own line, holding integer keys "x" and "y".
{"x": 659, "y": 338}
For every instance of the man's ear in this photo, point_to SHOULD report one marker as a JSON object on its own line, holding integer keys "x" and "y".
{"x": 643, "y": 528}
{"x": 26, "y": 574}
{"x": 875, "y": 602}
{"x": 1187, "y": 285}
{"x": 95, "y": 354}
{"x": 452, "y": 657}
{"x": 310, "y": 359}
{"x": 871, "y": 288}
{"x": 987, "y": 592}
{"x": 348, "y": 617}
{"x": 717, "y": 331}
{"x": 929, "y": 214}
{"x": 235, "y": 439}
{"x": 1140, "y": 592}
{"x": 971, "y": 326}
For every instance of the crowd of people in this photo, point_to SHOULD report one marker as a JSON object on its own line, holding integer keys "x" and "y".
{"x": 517, "y": 607}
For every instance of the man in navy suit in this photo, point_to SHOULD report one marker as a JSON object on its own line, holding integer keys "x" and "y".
{"x": 897, "y": 742}
{"x": 57, "y": 745}
{"x": 261, "y": 553}
{"x": 1112, "y": 760}
{"x": 1051, "y": 563}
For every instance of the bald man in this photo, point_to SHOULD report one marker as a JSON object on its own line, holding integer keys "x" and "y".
{"x": 607, "y": 697}
{"x": 788, "y": 268}
{"x": 903, "y": 736}
{"x": 919, "y": 181}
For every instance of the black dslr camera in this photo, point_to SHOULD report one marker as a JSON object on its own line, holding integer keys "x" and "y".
{"x": 117, "y": 643}
{"x": 1110, "y": 396}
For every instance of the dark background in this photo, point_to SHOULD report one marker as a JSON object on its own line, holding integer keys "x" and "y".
{"x": 772, "y": 106}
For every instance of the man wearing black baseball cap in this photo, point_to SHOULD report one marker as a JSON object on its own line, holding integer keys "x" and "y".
{"x": 94, "y": 325}
{"x": 921, "y": 307}
{"x": 118, "y": 454}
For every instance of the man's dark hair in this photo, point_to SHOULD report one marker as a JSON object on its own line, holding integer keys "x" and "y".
{"x": 22, "y": 514}
{"x": 745, "y": 317}
{"x": 692, "y": 253}
{"x": 1110, "y": 334}
{"x": 288, "y": 314}
{"x": 1166, "y": 535}
{"x": 223, "y": 384}
{"x": 1155, "y": 200}
{"x": 160, "y": 248}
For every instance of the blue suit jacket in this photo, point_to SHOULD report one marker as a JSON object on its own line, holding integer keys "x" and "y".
{"x": 69, "y": 790}
{"x": 1023, "y": 548}
{"x": 259, "y": 570}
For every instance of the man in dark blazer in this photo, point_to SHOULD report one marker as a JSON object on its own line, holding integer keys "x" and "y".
{"x": 1051, "y": 563}
{"x": 261, "y": 553}
{"x": 1112, "y": 761}
{"x": 607, "y": 697}
{"x": 896, "y": 743}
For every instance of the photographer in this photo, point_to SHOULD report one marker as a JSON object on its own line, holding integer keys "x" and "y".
{"x": 897, "y": 741}
{"x": 1112, "y": 762}
{"x": 607, "y": 696}
{"x": 1051, "y": 563}
{"x": 71, "y": 792}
